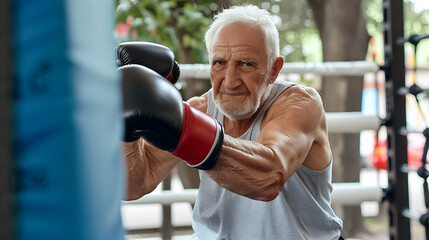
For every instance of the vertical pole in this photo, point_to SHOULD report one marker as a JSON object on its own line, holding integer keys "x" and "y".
{"x": 6, "y": 173}
{"x": 393, "y": 29}
{"x": 167, "y": 226}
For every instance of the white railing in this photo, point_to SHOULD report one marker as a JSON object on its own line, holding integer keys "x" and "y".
{"x": 355, "y": 68}
{"x": 351, "y": 122}
{"x": 343, "y": 193}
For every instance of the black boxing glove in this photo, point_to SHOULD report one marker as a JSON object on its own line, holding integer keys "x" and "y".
{"x": 154, "y": 56}
{"x": 154, "y": 110}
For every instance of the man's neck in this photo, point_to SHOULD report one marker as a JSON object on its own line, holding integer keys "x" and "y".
{"x": 236, "y": 128}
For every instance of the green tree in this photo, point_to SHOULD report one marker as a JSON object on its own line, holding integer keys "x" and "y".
{"x": 416, "y": 22}
{"x": 299, "y": 38}
{"x": 179, "y": 25}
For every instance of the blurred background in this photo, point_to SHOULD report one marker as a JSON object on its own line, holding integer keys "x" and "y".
{"x": 310, "y": 31}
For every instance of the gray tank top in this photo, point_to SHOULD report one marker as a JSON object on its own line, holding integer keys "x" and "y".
{"x": 301, "y": 211}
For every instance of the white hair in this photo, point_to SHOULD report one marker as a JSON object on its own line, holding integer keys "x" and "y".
{"x": 250, "y": 14}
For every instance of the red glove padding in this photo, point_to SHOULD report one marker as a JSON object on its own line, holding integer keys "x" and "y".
{"x": 201, "y": 139}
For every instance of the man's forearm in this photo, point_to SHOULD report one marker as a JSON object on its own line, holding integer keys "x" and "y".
{"x": 146, "y": 166}
{"x": 133, "y": 157}
{"x": 249, "y": 169}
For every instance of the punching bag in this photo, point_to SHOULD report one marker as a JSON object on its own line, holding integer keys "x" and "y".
{"x": 69, "y": 175}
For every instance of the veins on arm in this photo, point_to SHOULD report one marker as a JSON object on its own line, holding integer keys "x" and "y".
{"x": 146, "y": 167}
{"x": 260, "y": 169}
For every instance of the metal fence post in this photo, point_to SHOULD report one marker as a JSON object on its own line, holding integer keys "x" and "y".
{"x": 397, "y": 192}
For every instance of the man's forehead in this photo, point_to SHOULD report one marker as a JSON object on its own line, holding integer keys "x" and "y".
{"x": 236, "y": 34}
{"x": 223, "y": 49}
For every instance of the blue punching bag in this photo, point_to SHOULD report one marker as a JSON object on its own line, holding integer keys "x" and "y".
{"x": 67, "y": 121}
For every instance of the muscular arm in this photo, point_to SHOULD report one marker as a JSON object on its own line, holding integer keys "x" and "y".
{"x": 291, "y": 128}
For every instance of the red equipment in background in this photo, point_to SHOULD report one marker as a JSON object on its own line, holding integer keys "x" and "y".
{"x": 415, "y": 148}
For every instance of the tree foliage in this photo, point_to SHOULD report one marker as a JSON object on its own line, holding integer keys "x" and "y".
{"x": 299, "y": 39}
{"x": 181, "y": 25}
{"x": 416, "y": 22}
{"x": 167, "y": 22}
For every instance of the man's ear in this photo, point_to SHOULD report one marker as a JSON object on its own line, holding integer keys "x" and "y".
{"x": 275, "y": 69}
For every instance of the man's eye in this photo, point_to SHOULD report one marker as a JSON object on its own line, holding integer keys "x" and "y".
{"x": 218, "y": 62}
{"x": 247, "y": 64}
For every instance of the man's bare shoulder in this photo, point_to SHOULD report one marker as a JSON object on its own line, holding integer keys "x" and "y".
{"x": 199, "y": 102}
{"x": 299, "y": 93}
{"x": 297, "y": 102}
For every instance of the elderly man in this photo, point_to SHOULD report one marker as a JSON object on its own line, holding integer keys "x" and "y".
{"x": 261, "y": 145}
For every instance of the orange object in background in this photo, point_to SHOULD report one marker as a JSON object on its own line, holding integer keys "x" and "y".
{"x": 416, "y": 144}
{"x": 379, "y": 155}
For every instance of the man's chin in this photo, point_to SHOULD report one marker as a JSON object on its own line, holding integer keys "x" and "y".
{"x": 236, "y": 110}
{"x": 236, "y": 113}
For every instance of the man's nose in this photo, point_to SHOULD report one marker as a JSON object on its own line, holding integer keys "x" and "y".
{"x": 232, "y": 79}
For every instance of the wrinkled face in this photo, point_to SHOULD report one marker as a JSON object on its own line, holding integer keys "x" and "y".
{"x": 238, "y": 71}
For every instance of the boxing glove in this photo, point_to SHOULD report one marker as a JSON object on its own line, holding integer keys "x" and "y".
{"x": 153, "y": 109}
{"x": 154, "y": 56}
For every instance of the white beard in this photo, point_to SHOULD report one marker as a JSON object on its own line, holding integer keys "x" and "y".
{"x": 249, "y": 108}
